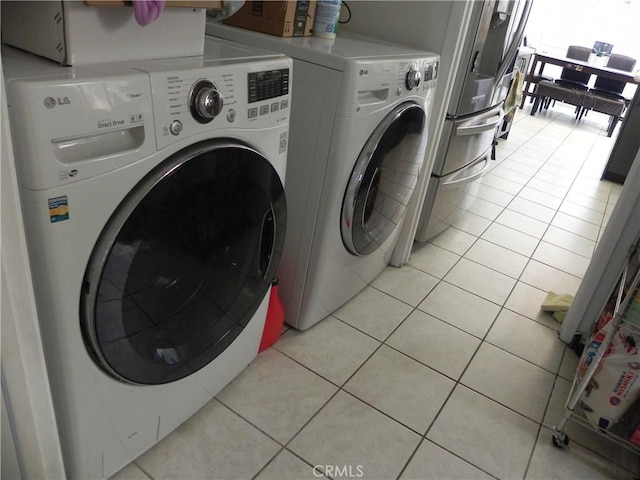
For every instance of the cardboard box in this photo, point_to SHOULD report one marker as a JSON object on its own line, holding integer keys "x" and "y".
{"x": 282, "y": 19}
{"x": 73, "y": 33}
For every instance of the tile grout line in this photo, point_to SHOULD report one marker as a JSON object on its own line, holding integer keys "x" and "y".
{"x": 458, "y": 382}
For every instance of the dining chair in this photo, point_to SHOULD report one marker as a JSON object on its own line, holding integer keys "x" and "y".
{"x": 569, "y": 88}
{"x": 573, "y": 78}
{"x": 535, "y": 80}
{"x": 606, "y": 95}
{"x": 608, "y": 86}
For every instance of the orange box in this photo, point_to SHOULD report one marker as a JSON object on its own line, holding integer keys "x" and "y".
{"x": 282, "y": 19}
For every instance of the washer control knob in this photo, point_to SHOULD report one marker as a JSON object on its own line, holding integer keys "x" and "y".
{"x": 413, "y": 78}
{"x": 206, "y": 101}
{"x": 176, "y": 127}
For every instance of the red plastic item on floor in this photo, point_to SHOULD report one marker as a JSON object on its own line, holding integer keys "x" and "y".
{"x": 275, "y": 319}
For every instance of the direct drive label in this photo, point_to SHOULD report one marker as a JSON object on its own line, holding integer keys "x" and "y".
{"x": 58, "y": 209}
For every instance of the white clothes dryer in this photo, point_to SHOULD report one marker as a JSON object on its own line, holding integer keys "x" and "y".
{"x": 154, "y": 208}
{"x": 359, "y": 119}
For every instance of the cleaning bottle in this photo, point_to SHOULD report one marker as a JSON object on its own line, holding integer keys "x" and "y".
{"x": 325, "y": 23}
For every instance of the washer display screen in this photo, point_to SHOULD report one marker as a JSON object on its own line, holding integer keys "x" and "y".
{"x": 268, "y": 84}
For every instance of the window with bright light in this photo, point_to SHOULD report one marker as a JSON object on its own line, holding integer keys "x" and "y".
{"x": 555, "y": 24}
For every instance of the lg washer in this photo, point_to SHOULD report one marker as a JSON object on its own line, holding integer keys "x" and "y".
{"x": 154, "y": 207}
{"x": 357, "y": 143}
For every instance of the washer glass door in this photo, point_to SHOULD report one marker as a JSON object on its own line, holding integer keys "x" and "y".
{"x": 383, "y": 179}
{"x": 184, "y": 263}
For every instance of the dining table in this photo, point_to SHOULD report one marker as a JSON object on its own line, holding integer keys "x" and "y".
{"x": 541, "y": 59}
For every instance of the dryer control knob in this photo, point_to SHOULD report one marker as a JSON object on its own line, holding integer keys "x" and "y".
{"x": 206, "y": 101}
{"x": 413, "y": 79}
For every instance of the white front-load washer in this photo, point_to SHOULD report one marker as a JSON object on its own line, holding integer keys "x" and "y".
{"x": 359, "y": 120}
{"x": 154, "y": 207}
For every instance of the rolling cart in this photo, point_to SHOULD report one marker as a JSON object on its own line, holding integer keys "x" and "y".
{"x": 616, "y": 328}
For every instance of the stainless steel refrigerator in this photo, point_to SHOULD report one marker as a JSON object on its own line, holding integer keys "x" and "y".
{"x": 474, "y": 112}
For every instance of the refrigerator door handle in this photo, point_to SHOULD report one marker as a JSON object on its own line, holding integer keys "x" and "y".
{"x": 456, "y": 180}
{"x": 515, "y": 44}
{"x": 474, "y": 62}
{"x": 485, "y": 127}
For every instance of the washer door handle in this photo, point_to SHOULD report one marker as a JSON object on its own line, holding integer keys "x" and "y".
{"x": 267, "y": 240}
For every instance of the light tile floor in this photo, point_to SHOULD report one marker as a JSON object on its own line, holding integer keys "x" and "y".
{"x": 444, "y": 369}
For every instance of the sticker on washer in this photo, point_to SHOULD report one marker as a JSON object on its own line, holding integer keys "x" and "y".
{"x": 283, "y": 143}
{"x": 58, "y": 209}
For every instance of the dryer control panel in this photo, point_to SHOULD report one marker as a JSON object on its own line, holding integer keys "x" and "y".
{"x": 369, "y": 84}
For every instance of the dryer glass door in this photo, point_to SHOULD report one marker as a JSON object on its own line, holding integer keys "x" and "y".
{"x": 184, "y": 263}
{"x": 383, "y": 179}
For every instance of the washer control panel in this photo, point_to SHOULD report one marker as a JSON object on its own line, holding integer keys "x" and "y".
{"x": 236, "y": 95}
{"x": 205, "y": 101}
{"x": 413, "y": 78}
{"x": 267, "y": 85}
{"x": 85, "y": 125}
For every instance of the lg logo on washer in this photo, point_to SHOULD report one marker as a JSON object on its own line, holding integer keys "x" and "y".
{"x": 51, "y": 102}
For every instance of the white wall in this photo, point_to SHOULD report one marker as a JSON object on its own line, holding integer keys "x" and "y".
{"x": 608, "y": 260}
{"x": 418, "y": 24}
{"x": 25, "y": 387}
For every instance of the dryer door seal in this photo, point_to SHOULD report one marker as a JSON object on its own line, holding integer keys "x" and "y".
{"x": 183, "y": 263}
{"x": 383, "y": 179}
